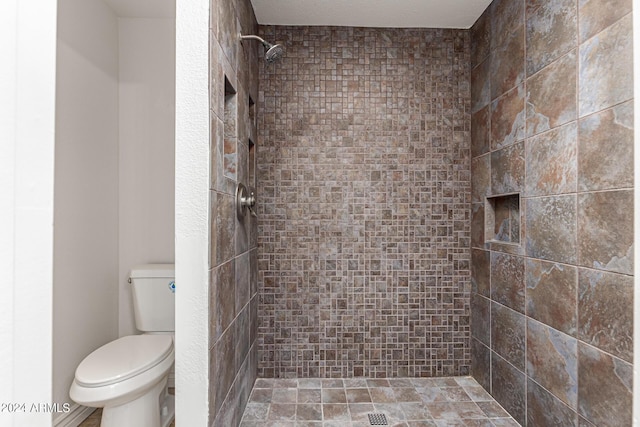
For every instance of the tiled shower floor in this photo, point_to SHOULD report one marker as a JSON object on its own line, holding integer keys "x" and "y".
{"x": 406, "y": 402}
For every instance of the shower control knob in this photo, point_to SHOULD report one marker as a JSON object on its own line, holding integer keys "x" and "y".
{"x": 245, "y": 200}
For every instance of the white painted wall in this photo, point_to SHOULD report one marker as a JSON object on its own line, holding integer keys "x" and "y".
{"x": 27, "y": 106}
{"x": 192, "y": 212}
{"x": 146, "y": 158}
{"x": 85, "y": 273}
{"x": 8, "y": 81}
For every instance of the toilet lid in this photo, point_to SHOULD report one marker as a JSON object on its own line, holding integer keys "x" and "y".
{"x": 122, "y": 359}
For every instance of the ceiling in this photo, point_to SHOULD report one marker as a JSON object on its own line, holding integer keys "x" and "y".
{"x": 143, "y": 8}
{"x": 351, "y": 13}
{"x": 371, "y": 13}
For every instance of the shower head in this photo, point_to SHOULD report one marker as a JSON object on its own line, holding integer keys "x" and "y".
{"x": 273, "y": 52}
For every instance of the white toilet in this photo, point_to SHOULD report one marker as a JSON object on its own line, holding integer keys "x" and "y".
{"x": 128, "y": 377}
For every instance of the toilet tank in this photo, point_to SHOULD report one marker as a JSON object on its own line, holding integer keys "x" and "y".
{"x": 153, "y": 289}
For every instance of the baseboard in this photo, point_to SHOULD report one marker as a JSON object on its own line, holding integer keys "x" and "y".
{"x": 74, "y": 417}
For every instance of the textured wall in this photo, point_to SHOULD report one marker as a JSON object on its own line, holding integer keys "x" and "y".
{"x": 233, "y": 292}
{"x": 552, "y": 120}
{"x": 364, "y": 191}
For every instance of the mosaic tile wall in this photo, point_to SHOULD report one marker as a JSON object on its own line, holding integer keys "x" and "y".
{"x": 552, "y": 122}
{"x": 233, "y": 305}
{"x": 363, "y": 203}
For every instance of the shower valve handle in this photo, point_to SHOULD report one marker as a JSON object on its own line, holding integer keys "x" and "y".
{"x": 245, "y": 200}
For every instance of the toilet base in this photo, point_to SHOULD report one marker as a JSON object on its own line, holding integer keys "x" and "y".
{"x": 156, "y": 408}
{"x": 168, "y": 410}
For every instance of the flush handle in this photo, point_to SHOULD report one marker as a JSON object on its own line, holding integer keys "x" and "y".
{"x": 245, "y": 200}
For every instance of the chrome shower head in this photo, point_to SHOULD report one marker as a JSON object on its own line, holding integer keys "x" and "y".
{"x": 272, "y": 52}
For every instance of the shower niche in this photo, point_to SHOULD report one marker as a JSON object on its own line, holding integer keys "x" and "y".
{"x": 503, "y": 220}
{"x": 230, "y": 150}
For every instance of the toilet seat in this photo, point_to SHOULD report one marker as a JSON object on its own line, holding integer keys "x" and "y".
{"x": 122, "y": 359}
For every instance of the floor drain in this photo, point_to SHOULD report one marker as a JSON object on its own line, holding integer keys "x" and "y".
{"x": 378, "y": 419}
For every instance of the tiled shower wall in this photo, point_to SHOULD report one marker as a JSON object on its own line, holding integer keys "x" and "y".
{"x": 552, "y": 120}
{"x": 233, "y": 303}
{"x": 364, "y": 192}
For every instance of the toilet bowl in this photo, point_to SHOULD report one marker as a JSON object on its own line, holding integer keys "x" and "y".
{"x": 128, "y": 379}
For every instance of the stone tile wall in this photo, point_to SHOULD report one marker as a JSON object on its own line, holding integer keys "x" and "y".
{"x": 363, "y": 203}
{"x": 233, "y": 303}
{"x": 552, "y": 117}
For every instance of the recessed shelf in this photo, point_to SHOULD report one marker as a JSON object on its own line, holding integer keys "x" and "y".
{"x": 252, "y": 164}
{"x": 252, "y": 111}
{"x": 230, "y": 131}
{"x": 502, "y": 219}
